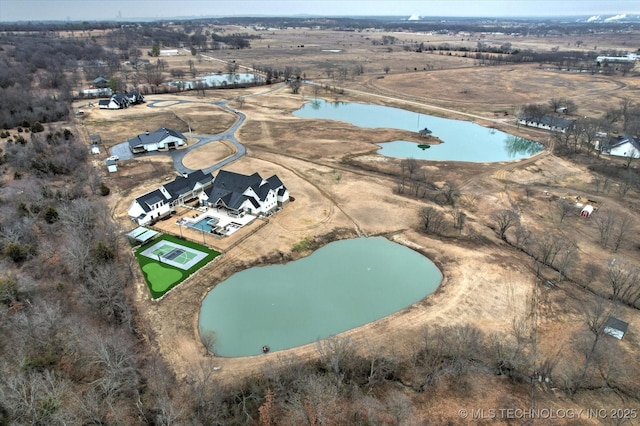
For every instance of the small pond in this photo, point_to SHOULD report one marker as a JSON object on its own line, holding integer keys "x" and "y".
{"x": 340, "y": 286}
{"x": 462, "y": 140}
{"x": 220, "y": 80}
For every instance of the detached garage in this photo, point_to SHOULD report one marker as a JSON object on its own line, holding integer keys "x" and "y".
{"x": 162, "y": 139}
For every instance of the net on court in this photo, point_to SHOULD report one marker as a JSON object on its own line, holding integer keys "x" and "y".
{"x": 174, "y": 254}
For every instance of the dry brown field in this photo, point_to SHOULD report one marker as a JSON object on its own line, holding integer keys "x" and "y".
{"x": 342, "y": 188}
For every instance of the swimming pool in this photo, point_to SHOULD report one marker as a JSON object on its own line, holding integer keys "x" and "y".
{"x": 205, "y": 224}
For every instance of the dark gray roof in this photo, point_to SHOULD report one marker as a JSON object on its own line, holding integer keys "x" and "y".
{"x": 616, "y": 324}
{"x": 549, "y": 120}
{"x": 183, "y": 184}
{"x": 229, "y": 188}
{"x": 154, "y": 137}
{"x": 620, "y": 140}
{"x": 150, "y": 198}
{"x": 100, "y": 80}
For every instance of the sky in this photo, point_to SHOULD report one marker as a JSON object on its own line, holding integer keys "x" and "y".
{"x": 91, "y": 10}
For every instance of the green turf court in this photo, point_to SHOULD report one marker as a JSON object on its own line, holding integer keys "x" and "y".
{"x": 167, "y": 261}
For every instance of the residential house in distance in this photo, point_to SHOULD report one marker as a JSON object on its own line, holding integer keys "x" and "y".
{"x": 122, "y": 100}
{"x": 240, "y": 194}
{"x": 100, "y": 83}
{"x": 162, "y": 202}
{"x": 160, "y": 140}
{"x": 117, "y": 101}
{"x": 622, "y": 146}
{"x": 547, "y": 122}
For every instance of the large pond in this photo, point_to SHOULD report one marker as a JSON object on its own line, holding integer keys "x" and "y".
{"x": 462, "y": 140}
{"x": 340, "y": 286}
{"x": 219, "y": 80}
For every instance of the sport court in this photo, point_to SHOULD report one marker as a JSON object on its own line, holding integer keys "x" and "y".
{"x": 174, "y": 254}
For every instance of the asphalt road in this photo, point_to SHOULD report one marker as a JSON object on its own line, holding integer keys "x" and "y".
{"x": 124, "y": 153}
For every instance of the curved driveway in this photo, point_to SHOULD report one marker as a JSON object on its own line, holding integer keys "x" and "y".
{"x": 124, "y": 153}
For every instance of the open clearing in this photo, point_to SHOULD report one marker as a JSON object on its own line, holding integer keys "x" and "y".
{"x": 341, "y": 187}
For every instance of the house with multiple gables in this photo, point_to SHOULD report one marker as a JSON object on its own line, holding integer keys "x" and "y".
{"x": 622, "y": 146}
{"x": 547, "y": 122}
{"x": 162, "y": 202}
{"x": 161, "y": 140}
{"x": 122, "y": 100}
{"x": 239, "y": 193}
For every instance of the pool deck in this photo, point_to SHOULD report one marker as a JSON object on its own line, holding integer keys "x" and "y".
{"x": 217, "y": 242}
{"x": 227, "y": 223}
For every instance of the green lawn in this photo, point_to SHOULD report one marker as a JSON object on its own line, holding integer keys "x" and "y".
{"x": 162, "y": 277}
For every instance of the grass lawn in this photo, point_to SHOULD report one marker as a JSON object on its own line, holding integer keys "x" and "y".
{"x": 162, "y": 277}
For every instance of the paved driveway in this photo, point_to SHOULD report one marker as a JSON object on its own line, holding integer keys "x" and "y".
{"x": 124, "y": 153}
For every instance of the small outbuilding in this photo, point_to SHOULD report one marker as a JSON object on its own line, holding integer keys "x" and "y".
{"x": 615, "y": 327}
{"x": 586, "y": 210}
{"x": 112, "y": 166}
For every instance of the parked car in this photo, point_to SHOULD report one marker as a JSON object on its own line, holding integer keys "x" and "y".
{"x": 113, "y": 158}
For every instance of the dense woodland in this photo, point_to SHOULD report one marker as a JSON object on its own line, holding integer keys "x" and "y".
{"x": 72, "y": 352}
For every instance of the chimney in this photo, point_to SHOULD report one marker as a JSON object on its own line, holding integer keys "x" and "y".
{"x": 146, "y": 132}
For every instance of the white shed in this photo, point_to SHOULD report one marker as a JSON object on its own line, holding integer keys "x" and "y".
{"x": 112, "y": 166}
{"x": 586, "y": 210}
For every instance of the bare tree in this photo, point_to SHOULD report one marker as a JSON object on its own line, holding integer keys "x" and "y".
{"x": 209, "y": 340}
{"x": 623, "y": 230}
{"x": 564, "y": 207}
{"x": 604, "y": 224}
{"x": 505, "y": 220}
{"x": 432, "y": 220}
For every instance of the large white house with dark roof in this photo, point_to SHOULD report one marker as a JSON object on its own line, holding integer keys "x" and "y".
{"x": 161, "y": 202}
{"x": 161, "y": 139}
{"x": 245, "y": 194}
{"x": 622, "y": 146}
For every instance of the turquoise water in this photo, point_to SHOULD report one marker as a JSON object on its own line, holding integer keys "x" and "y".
{"x": 217, "y": 80}
{"x": 340, "y": 286}
{"x": 204, "y": 224}
{"x": 462, "y": 140}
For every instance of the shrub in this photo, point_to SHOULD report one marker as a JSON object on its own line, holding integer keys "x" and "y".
{"x": 17, "y": 252}
{"x": 51, "y": 215}
{"x": 104, "y": 190}
{"x": 37, "y": 127}
{"x": 8, "y": 291}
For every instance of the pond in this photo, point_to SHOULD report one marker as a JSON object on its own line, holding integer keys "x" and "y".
{"x": 340, "y": 286}
{"x": 462, "y": 140}
{"x": 220, "y": 80}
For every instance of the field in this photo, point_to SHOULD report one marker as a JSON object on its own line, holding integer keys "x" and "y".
{"x": 169, "y": 261}
{"x": 343, "y": 188}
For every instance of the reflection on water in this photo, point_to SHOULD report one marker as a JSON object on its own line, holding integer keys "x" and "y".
{"x": 343, "y": 285}
{"x": 462, "y": 140}
{"x": 518, "y": 147}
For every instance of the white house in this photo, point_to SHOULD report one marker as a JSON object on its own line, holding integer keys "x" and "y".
{"x": 250, "y": 194}
{"x": 622, "y": 146}
{"x": 547, "y": 122}
{"x": 117, "y": 101}
{"x": 96, "y": 92}
{"x": 161, "y": 202}
{"x": 161, "y": 139}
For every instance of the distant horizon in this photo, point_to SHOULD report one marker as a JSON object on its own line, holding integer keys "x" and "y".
{"x": 151, "y": 10}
